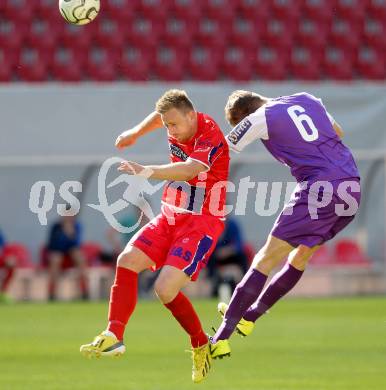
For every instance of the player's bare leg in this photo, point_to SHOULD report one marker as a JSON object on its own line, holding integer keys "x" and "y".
{"x": 123, "y": 299}
{"x": 55, "y": 260}
{"x": 167, "y": 287}
{"x": 301, "y": 255}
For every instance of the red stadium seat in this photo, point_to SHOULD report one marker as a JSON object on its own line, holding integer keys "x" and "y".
{"x": 345, "y": 33}
{"x": 43, "y": 34}
{"x": 244, "y": 33}
{"x": 271, "y": 63}
{"x": 338, "y": 64}
{"x": 12, "y": 34}
{"x": 348, "y": 252}
{"x": 222, "y": 10}
{"x": 374, "y": 33}
{"x": 79, "y": 37}
{"x": 238, "y": 64}
{"x": 212, "y": 32}
{"x": 136, "y": 63}
{"x": 286, "y": 9}
{"x": 154, "y": 9}
{"x": 179, "y": 31}
{"x": 203, "y": 63}
{"x": 305, "y": 64}
{"x": 101, "y": 64}
{"x": 353, "y": 10}
{"x": 145, "y": 31}
{"x": 321, "y": 10}
{"x": 6, "y": 67}
{"x": 312, "y": 33}
{"x": 322, "y": 257}
{"x": 92, "y": 252}
{"x": 9, "y": 56}
{"x": 249, "y": 251}
{"x": 110, "y": 33}
{"x": 67, "y": 64}
{"x": 47, "y": 9}
{"x": 256, "y": 9}
{"x": 121, "y": 10}
{"x": 134, "y": 29}
{"x": 170, "y": 63}
{"x": 21, "y": 254}
{"x": 18, "y": 10}
{"x": 186, "y": 9}
{"x": 371, "y": 63}
{"x": 32, "y": 65}
{"x": 377, "y": 9}
{"x": 279, "y": 33}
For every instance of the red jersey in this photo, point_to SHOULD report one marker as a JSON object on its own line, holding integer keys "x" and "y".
{"x": 204, "y": 194}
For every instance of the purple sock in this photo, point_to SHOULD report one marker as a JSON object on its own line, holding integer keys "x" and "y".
{"x": 284, "y": 281}
{"x": 246, "y": 292}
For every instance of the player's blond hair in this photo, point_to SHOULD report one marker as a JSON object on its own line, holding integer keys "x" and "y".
{"x": 174, "y": 98}
{"x": 240, "y": 104}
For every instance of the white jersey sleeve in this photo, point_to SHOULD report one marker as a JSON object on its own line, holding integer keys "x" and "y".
{"x": 251, "y": 128}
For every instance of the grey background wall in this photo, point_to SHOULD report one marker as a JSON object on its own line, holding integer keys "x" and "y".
{"x": 55, "y": 121}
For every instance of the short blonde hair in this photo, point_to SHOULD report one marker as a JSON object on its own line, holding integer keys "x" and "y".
{"x": 174, "y": 98}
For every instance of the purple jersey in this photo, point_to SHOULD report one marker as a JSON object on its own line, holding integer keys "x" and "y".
{"x": 298, "y": 131}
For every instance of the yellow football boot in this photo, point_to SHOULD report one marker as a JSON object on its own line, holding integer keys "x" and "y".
{"x": 202, "y": 362}
{"x": 220, "y": 349}
{"x": 106, "y": 344}
{"x": 244, "y": 327}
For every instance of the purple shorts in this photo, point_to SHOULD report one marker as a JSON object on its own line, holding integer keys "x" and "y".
{"x": 317, "y": 211}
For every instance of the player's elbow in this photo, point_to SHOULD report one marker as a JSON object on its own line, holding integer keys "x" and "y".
{"x": 189, "y": 174}
{"x": 192, "y": 169}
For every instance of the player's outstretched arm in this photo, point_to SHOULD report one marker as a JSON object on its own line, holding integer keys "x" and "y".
{"x": 129, "y": 137}
{"x": 180, "y": 171}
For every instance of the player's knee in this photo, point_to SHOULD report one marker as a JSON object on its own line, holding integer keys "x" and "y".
{"x": 302, "y": 257}
{"x": 264, "y": 264}
{"x": 129, "y": 261}
{"x": 164, "y": 291}
{"x": 299, "y": 263}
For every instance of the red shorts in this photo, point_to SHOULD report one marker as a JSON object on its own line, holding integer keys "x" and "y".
{"x": 187, "y": 244}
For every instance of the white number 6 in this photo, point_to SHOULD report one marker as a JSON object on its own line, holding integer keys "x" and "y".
{"x": 296, "y": 114}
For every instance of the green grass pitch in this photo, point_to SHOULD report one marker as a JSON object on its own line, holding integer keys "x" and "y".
{"x": 302, "y": 344}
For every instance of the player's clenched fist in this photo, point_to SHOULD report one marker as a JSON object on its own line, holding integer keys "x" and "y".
{"x": 127, "y": 138}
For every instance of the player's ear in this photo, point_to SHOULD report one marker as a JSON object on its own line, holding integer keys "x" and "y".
{"x": 192, "y": 115}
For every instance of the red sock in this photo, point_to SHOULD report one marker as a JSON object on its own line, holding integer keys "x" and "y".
{"x": 184, "y": 313}
{"x": 9, "y": 271}
{"x": 123, "y": 298}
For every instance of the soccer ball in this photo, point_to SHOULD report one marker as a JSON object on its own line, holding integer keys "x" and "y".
{"x": 79, "y": 11}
